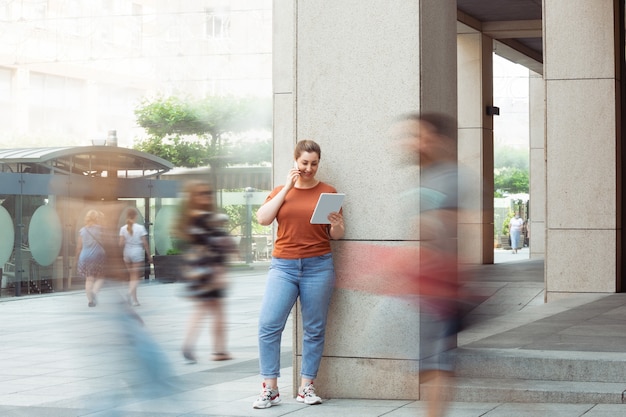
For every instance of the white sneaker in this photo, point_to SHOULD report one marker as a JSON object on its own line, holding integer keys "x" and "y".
{"x": 307, "y": 395}
{"x": 267, "y": 398}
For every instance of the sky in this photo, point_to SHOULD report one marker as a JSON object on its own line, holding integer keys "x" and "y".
{"x": 511, "y": 95}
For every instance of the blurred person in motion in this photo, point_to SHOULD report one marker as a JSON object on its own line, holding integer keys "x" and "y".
{"x": 430, "y": 138}
{"x": 125, "y": 339}
{"x": 208, "y": 246}
{"x": 301, "y": 266}
{"x": 132, "y": 238}
{"x": 91, "y": 255}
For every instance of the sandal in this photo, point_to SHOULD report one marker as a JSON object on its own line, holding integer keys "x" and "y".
{"x": 189, "y": 356}
{"x": 221, "y": 357}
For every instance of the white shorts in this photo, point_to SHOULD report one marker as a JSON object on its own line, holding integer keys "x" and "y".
{"x": 133, "y": 254}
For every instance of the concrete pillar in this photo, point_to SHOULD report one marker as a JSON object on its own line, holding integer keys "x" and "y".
{"x": 475, "y": 93}
{"x": 537, "y": 113}
{"x": 583, "y": 171}
{"x": 343, "y": 71}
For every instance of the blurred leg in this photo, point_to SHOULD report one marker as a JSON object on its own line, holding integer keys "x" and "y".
{"x": 220, "y": 350}
{"x": 89, "y": 288}
{"x": 133, "y": 271}
{"x": 200, "y": 311}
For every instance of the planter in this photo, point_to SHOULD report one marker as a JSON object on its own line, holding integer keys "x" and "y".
{"x": 167, "y": 267}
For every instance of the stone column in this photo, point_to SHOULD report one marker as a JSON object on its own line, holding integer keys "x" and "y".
{"x": 343, "y": 71}
{"x": 475, "y": 93}
{"x": 583, "y": 171}
{"x": 537, "y": 220}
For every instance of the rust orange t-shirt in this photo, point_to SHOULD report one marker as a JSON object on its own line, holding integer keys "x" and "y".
{"x": 296, "y": 236}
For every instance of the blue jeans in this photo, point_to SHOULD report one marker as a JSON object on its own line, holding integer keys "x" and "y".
{"x": 312, "y": 279}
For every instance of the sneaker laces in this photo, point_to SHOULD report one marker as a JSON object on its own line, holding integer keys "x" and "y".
{"x": 266, "y": 393}
{"x": 308, "y": 391}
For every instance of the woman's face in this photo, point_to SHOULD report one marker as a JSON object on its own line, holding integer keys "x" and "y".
{"x": 308, "y": 162}
{"x": 202, "y": 197}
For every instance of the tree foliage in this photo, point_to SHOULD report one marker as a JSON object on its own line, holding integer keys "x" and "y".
{"x": 511, "y": 172}
{"x": 237, "y": 214}
{"x": 190, "y": 132}
{"x": 510, "y": 181}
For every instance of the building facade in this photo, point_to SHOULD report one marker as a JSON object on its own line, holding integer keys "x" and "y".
{"x": 431, "y": 55}
{"x": 72, "y": 70}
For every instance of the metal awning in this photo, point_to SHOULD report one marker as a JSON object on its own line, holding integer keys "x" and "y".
{"x": 94, "y": 161}
{"x": 227, "y": 178}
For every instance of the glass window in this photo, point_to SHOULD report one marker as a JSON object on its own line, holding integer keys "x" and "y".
{"x": 217, "y": 23}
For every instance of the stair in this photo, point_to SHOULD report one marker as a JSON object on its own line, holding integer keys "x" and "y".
{"x": 517, "y": 375}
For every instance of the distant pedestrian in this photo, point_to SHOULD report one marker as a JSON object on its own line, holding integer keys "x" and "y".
{"x": 133, "y": 240}
{"x": 91, "y": 255}
{"x": 208, "y": 247}
{"x": 515, "y": 230}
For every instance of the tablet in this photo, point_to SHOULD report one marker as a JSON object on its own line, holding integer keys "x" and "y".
{"x": 327, "y": 203}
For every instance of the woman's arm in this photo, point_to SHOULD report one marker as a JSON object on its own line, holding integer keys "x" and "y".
{"x": 268, "y": 211}
{"x": 146, "y": 247}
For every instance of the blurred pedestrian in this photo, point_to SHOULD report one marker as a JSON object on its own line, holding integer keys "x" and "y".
{"x": 301, "y": 266}
{"x": 132, "y": 238}
{"x": 208, "y": 247}
{"x": 91, "y": 255}
{"x": 516, "y": 225}
{"x": 431, "y": 139}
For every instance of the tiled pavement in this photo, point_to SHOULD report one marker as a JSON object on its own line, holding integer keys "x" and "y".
{"x": 63, "y": 359}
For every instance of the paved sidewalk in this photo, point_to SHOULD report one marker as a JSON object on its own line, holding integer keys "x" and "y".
{"x": 63, "y": 359}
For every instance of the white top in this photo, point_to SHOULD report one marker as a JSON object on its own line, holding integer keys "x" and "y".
{"x": 516, "y": 224}
{"x": 133, "y": 244}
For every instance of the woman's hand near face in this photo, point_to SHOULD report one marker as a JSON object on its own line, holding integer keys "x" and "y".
{"x": 266, "y": 214}
{"x": 292, "y": 177}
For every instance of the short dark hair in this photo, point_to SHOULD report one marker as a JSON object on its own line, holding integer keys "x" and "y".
{"x": 442, "y": 123}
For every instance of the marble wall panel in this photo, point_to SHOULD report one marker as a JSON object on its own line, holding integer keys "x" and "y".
{"x": 581, "y": 147}
{"x": 344, "y": 377}
{"x": 586, "y": 27}
{"x": 577, "y": 261}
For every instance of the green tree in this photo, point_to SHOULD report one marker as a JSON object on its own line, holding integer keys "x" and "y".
{"x": 510, "y": 171}
{"x": 237, "y": 219}
{"x": 510, "y": 181}
{"x": 190, "y": 132}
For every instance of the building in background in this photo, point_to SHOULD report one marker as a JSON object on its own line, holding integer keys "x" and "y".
{"x": 71, "y": 70}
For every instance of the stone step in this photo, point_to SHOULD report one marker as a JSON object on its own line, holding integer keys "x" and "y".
{"x": 502, "y": 390}
{"x": 541, "y": 365}
{"x": 534, "y": 376}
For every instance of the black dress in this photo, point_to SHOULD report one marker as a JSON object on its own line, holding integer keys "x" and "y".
{"x": 206, "y": 254}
